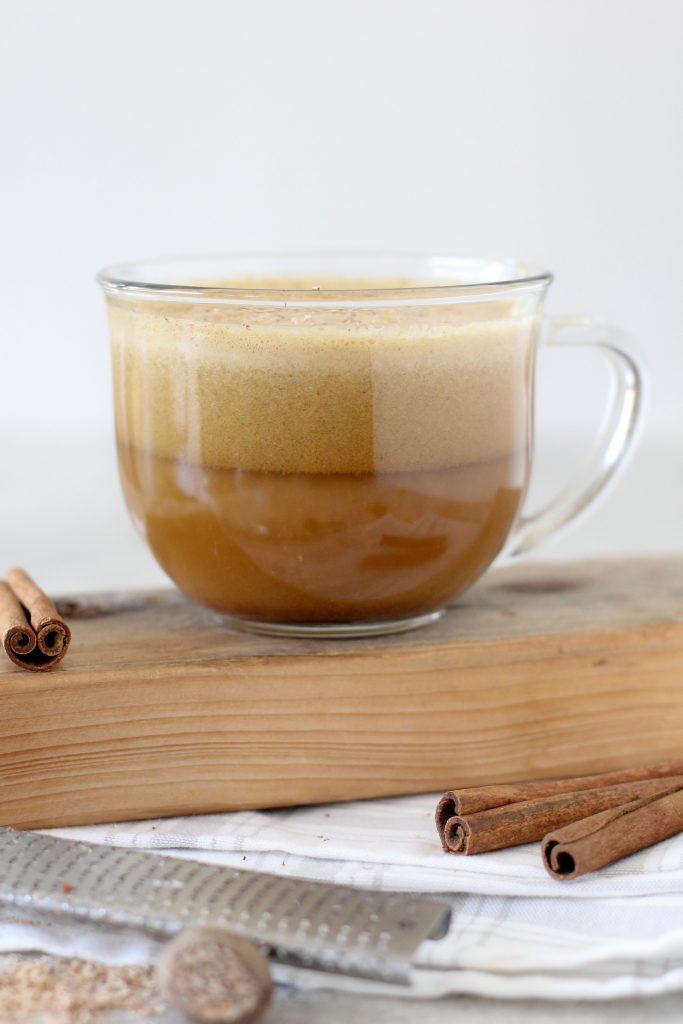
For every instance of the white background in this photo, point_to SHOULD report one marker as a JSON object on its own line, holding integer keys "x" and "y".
{"x": 538, "y": 128}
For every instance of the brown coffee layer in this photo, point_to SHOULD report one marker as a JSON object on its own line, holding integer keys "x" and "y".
{"x": 308, "y": 390}
{"x": 323, "y": 547}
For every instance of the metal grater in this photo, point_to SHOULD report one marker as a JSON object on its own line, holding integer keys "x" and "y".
{"x": 308, "y": 924}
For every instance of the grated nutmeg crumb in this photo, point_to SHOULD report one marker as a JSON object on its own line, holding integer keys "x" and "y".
{"x": 74, "y": 991}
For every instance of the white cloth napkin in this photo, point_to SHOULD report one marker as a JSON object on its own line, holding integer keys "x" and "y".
{"x": 515, "y": 931}
{"x": 382, "y": 844}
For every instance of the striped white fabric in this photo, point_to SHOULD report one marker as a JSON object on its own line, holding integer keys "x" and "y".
{"x": 516, "y": 932}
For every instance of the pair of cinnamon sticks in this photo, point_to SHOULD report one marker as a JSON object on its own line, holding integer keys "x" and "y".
{"x": 34, "y": 635}
{"x": 584, "y": 823}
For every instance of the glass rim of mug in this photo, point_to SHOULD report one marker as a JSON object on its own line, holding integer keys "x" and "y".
{"x": 448, "y": 278}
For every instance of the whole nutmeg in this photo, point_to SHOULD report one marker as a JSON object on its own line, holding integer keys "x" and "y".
{"x": 215, "y": 977}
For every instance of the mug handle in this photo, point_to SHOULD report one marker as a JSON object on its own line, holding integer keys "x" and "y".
{"x": 622, "y": 418}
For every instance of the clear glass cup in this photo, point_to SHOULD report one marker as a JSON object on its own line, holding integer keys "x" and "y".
{"x": 340, "y": 445}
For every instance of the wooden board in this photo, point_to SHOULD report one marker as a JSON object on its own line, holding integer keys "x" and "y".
{"x": 160, "y": 709}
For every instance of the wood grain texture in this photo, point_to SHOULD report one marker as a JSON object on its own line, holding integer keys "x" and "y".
{"x": 160, "y": 709}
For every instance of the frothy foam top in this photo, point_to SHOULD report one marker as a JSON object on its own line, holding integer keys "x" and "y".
{"x": 344, "y": 390}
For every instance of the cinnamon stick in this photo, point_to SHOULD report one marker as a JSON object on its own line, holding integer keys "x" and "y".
{"x": 35, "y": 637}
{"x": 606, "y": 837}
{"x": 18, "y": 638}
{"x": 523, "y": 822}
{"x": 482, "y": 798}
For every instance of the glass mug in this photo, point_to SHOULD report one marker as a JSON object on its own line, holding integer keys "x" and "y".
{"x": 339, "y": 445}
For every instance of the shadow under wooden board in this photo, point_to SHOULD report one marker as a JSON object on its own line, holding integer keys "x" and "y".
{"x": 159, "y": 709}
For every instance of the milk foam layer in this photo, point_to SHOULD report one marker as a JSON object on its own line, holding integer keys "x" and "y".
{"x": 343, "y": 390}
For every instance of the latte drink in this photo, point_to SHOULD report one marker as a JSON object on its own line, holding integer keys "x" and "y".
{"x": 329, "y": 464}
